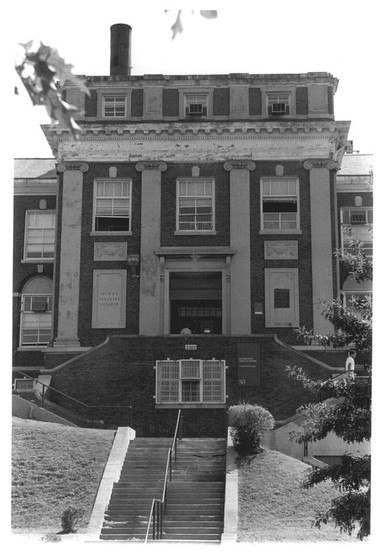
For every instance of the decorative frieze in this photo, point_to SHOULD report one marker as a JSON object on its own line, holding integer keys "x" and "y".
{"x": 281, "y": 249}
{"x": 110, "y": 251}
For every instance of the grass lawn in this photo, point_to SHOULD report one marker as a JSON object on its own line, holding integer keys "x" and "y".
{"x": 274, "y": 508}
{"x": 55, "y": 467}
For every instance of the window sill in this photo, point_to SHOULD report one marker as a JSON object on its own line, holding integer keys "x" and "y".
{"x": 281, "y": 231}
{"x": 190, "y": 406}
{"x": 32, "y": 348}
{"x": 38, "y": 261}
{"x": 111, "y": 233}
{"x": 195, "y": 232}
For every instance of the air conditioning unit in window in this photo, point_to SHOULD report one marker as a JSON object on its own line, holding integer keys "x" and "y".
{"x": 358, "y": 218}
{"x": 196, "y": 110}
{"x": 279, "y": 108}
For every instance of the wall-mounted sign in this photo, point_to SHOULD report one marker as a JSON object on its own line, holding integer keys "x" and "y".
{"x": 249, "y": 364}
{"x": 133, "y": 259}
{"x": 110, "y": 251}
{"x": 190, "y": 346}
{"x": 109, "y": 299}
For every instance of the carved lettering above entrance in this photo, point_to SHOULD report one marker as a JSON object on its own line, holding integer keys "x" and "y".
{"x": 280, "y": 249}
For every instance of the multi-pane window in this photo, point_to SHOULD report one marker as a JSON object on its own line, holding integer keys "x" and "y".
{"x": 39, "y": 235}
{"x": 357, "y": 229}
{"x": 195, "y": 205}
{"x": 36, "y": 319}
{"x": 278, "y": 103}
{"x": 112, "y": 205}
{"x": 114, "y": 106}
{"x": 279, "y": 204}
{"x": 195, "y": 105}
{"x": 190, "y": 381}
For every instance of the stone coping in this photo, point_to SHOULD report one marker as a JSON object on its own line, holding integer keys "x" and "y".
{"x": 231, "y": 505}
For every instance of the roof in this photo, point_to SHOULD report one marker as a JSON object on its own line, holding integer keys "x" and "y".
{"x": 356, "y": 164}
{"x": 35, "y": 168}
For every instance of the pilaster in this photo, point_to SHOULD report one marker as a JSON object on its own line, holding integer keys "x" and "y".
{"x": 69, "y": 276}
{"x": 240, "y": 242}
{"x": 321, "y": 238}
{"x": 150, "y": 282}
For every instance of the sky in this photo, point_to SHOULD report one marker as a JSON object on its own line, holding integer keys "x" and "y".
{"x": 276, "y": 36}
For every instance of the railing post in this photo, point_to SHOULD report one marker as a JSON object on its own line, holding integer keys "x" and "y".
{"x": 43, "y": 395}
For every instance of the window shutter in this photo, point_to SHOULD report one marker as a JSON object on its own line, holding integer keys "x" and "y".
{"x": 221, "y": 101}
{"x": 91, "y": 104}
{"x": 137, "y": 102}
{"x": 170, "y": 102}
{"x": 301, "y": 100}
{"x": 255, "y": 101}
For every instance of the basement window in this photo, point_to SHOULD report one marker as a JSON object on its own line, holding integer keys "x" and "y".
{"x": 190, "y": 382}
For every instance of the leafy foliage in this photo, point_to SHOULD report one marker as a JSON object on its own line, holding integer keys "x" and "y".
{"x": 177, "y": 27}
{"x": 69, "y": 518}
{"x": 343, "y": 406}
{"x": 248, "y": 423}
{"x": 40, "y": 69}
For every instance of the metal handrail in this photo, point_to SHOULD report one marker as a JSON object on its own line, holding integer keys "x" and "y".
{"x": 158, "y": 506}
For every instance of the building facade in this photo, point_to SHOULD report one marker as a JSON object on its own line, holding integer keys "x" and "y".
{"x": 211, "y": 203}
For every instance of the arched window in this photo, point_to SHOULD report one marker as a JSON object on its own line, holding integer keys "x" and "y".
{"x": 36, "y": 312}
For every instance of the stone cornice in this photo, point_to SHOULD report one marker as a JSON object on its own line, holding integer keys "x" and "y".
{"x": 215, "y": 130}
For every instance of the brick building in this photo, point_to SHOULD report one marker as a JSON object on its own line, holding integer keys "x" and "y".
{"x": 207, "y": 202}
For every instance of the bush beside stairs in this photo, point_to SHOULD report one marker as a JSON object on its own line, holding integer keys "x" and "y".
{"x": 195, "y": 495}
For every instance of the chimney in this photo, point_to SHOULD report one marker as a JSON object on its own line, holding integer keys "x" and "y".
{"x": 120, "y": 50}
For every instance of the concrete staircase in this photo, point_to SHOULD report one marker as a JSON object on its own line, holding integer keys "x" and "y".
{"x": 141, "y": 480}
{"x": 195, "y": 496}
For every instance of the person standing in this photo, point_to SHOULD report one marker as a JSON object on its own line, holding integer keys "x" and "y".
{"x": 350, "y": 364}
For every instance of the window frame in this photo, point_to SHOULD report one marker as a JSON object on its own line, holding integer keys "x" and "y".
{"x": 212, "y": 196}
{"x": 280, "y": 230}
{"x": 27, "y": 228}
{"x": 115, "y": 96}
{"x": 269, "y": 103}
{"x": 368, "y": 210}
{"x": 23, "y": 312}
{"x": 187, "y": 93}
{"x": 128, "y": 181}
{"x": 176, "y": 388}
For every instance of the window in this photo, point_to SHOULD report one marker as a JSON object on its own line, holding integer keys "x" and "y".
{"x": 357, "y": 227}
{"x": 112, "y": 205}
{"x": 278, "y": 103}
{"x": 114, "y": 106}
{"x": 36, "y": 312}
{"x": 190, "y": 381}
{"x": 195, "y": 205}
{"x": 39, "y": 235}
{"x": 279, "y": 204}
{"x": 195, "y": 105}
{"x": 357, "y": 295}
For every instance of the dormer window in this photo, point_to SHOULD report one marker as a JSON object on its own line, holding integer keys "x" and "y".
{"x": 196, "y": 105}
{"x": 278, "y": 103}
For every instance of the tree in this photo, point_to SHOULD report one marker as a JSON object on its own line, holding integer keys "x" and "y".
{"x": 343, "y": 406}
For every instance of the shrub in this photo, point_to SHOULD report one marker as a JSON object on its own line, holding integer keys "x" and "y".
{"x": 248, "y": 423}
{"x": 69, "y": 519}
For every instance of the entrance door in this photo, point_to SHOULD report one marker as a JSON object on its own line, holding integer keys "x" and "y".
{"x": 196, "y": 302}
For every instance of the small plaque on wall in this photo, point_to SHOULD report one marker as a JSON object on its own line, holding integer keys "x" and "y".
{"x": 249, "y": 364}
{"x": 109, "y": 299}
{"x": 281, "y": 249}
{"x": 110, "y": 251}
